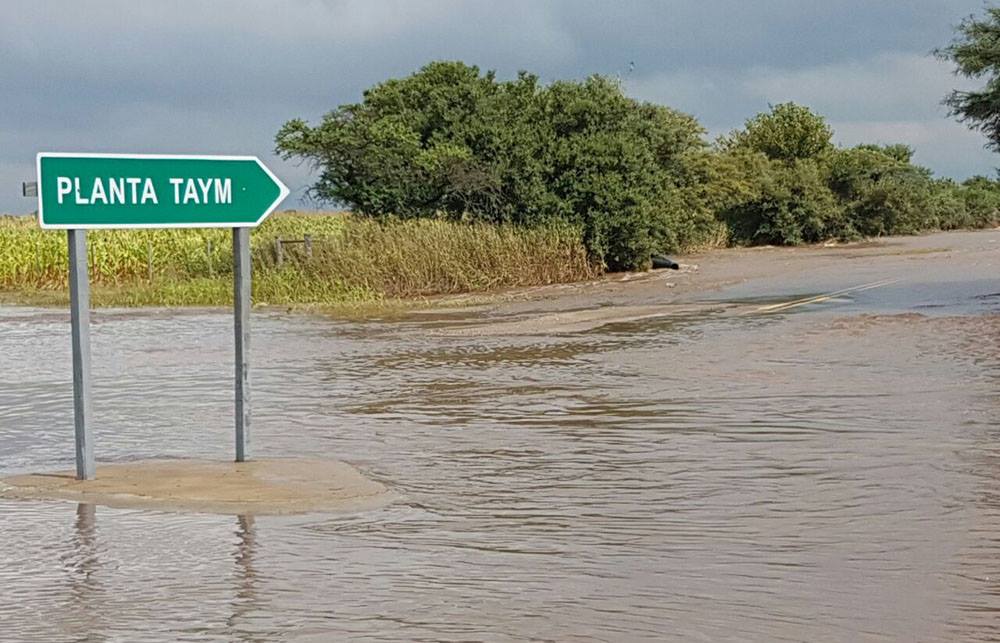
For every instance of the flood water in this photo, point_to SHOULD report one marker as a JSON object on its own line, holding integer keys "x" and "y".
{"x": 825, "y": 472}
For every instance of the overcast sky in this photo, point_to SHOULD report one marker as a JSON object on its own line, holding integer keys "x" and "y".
{"x": 221, "y": 76}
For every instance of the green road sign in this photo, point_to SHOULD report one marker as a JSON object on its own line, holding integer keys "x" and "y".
{"x": 154, "y": 191}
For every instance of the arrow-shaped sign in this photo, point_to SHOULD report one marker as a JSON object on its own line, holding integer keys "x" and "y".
{"x": 154, "y": 191}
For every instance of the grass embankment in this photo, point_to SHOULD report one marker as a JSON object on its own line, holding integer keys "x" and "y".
{"x": 354, "y": 261}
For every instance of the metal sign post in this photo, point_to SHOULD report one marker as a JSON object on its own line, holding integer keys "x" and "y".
{"x": 79, "y": 312}
{"x": 241, "y": 326}
{"x": 80, "y": 191}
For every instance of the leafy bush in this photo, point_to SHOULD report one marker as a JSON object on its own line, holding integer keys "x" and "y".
{"x": 451, "y": 142}
{"x": 787, "y": 203}
{"x": 946, "y": 207}
{"x": 982, "y": 201}
{"x": 895, "y": 204}
{"x": 808, "y": 190}
{"x": 896, "y": 151}
{"x": 787, "y": 132}
{"x": 853, "y": 170}
{"x": 884, "y": 193}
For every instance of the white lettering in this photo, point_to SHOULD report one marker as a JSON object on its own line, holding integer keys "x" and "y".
{"x": 63, "y": 187}
{"x": 97, "y": 193}
{"x": 76, "y": 189}
{"x": 177, "y": 189}
{"x": 223, "y": 191}
{"x": 205, "y": 185}
{"x": 190, "y": 192}
{"x": 113, "y": 191}
{"x": 133, "y": 183}
{"x": 116, "y": 191}
{"x": 148, "y": 193}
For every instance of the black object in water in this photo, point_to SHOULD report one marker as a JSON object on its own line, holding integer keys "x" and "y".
{"x": 659, "y": 261}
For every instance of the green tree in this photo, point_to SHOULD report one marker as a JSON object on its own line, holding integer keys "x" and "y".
{"x": 898, "y": 204}
{"x": 449, "y": 141}
{"x": 982, "y": 201}
{"x": 896, "y": 151}
{"x": 883, "y": 193}
{"x": 787, "y": 132}
{"x": 975, "y": 51}
{"x": 445, "y": 140}
{"x": 787, "y": 203}
{"x": 852, "y": 170}
{"x": 631, "y": 178}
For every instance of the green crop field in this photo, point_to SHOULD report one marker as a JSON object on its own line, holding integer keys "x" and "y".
{"x": 353, "y": 260}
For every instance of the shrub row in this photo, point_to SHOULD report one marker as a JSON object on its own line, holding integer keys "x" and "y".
{"x": 795, "y": 186}
{"x": 634, "y": 178}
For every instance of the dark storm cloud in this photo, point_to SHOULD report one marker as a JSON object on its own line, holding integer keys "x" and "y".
{"x": 221, "y": 76}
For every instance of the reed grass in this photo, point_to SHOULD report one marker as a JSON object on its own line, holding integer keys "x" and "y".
{"x": 420, "y": 257}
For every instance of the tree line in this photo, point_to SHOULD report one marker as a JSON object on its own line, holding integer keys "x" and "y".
{"x": 634, "y": 178}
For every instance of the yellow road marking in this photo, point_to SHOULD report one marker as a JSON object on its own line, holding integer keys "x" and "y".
{"x": 771, "y": 308}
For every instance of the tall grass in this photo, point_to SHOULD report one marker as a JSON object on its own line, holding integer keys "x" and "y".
{"x": 353, "y": 259}
{"x": 424, "y": 257}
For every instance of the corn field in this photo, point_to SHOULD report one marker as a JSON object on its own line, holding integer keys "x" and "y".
{"x": 351, "y": 259}
{"x": 30, "y": 256}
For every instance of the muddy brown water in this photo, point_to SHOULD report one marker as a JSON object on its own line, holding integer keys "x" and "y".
{"x": 617, "y": 461}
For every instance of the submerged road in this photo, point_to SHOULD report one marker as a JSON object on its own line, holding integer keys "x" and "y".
{"x": 782, "y": 444}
